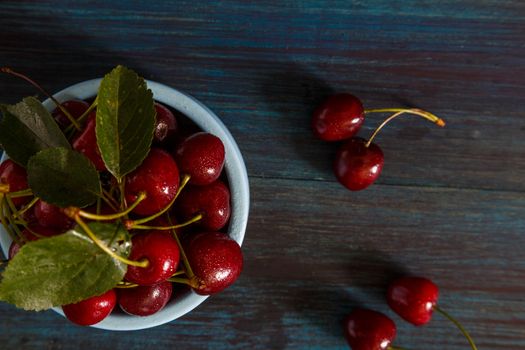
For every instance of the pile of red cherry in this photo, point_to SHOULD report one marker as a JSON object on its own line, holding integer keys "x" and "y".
{"x": 187, "y": 168}
{"x": 357, "y": 165}
{"x": 358, "y": 162}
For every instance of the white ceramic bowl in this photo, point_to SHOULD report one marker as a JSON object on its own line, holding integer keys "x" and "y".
{"x": 235, "y": 171}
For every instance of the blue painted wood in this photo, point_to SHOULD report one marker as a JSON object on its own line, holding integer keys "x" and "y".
{"x": 449, "y": 204}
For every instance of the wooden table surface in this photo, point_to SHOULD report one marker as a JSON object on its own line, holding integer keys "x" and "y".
{"x": 449, "y": 205}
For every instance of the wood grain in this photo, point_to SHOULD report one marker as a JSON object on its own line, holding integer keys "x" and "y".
{"x": 449, "y": 205}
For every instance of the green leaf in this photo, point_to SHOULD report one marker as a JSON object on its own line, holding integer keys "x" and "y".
{"x": 27, "y": 128}
{"x": 64, "y": 269}
{"x": 125, "y": 121}
{"x": 63, "y": 177}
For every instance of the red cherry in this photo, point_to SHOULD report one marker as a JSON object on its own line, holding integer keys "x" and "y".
{"x": 145, "y": 300}
{"x": 75, "y": 107}
{"x": 158, "y": 176}
{"x": 15, "y": 176}
{"x": 165, "y": 125}
{"x": 161, "y": 251}
{"x": 28, "y": 235}
{"x": 201, "y": 156}
{"x": 49, "y": 215}
{"x": 86, "y": 143}
{"x": 357, "y": 166}
{"x": 369, "y": 330}
{"x": 413, "y": 298}
{"x": 215, "y": 259}
{"x": 212, "y": 201}
{"x": 339, "y": 117}
{"x": 13, "y": 249}
{"x": 92, "y": 310}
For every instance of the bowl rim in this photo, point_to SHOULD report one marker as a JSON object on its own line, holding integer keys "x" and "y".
{"x": 234, "y": 167}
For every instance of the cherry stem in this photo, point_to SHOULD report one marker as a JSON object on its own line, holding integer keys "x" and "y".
{"x": 98, "y": 217}
{"x": 4, "y": 220}
{"x": 399, "y": 111}
{"x": 192, "y": 282}
{"x": 4, "y": 188}
{"x": 172, "y": 227}
{"x": 29, "y": 205}
{"x": 126, "y": 285}
{"x": 12, "y": 208}
{"x": 23, "y": 193}
{"x": 106, "y": 197}
{"x": 185, "y": 261}
{"x": 178, "y": 273}
{"x": 80, "y": 119}
{"x": 8, "y": 70}
{"x": 183, "y": 183}
{"x": 458, "y": 325}
{"x": 105, "y": 248}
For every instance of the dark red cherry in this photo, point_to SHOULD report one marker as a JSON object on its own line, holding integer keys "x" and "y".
{"x": 212, "y": 201}
{"x": 215, "y": 259}
{"x": 145, "y": 300}
{"x": 339, "y": 117}
{"x": 357, "y": 166}
{"x": 165, "y": 125}
{"x": 92, "y": 310}
{"x": 162, "y": 252}
{"x": 75, "y": 107}
{"x": 13, "y": 249}
{"x": 413, "y": 298}
{"x": 49, "y": 215}
{"x": 369, "y": 330}
{"x": 158, "y": 176}
{"x": 201, "y": 156}
{"x": 32, "y": 233}
{"x": 15, "y": 176}
{"x": 86, "y": 143}
{"x": 36, "y": 231}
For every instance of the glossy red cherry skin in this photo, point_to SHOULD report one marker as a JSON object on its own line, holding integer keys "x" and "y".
{"x": 158, "y": 176}
{"x": 162, "y": 252}
{"x": 369, "y": 330}
{"x": 75, "y": 107}
{"x": 201, "y": 156}
{"x": 92, "y": 310}
{"x": 357, "y": 166}
{"x": 413, "y": 298}
{"x": 339, "y": 117}
{"x": 212, "y": 201}
{"x": 51, "y": 216}
{"x": 86, "y": 143}
{"x": 216, "y": 260}
{"x": 145, "y": 300}
{"x": 15, "y": 176}
{"x": 165, "y": 124}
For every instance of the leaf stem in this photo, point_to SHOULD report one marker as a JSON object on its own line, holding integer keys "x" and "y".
{"x": 101, "y": 245}
{"x": 172, "y": 227}
{"x": 8, "y": 70}
{"x": 183, "y": 183}
{"x": 99, "y": 217}
{"x": 458, "y": 325}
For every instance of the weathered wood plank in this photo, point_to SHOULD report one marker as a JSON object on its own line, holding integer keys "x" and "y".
{"x": 448, "y": 205}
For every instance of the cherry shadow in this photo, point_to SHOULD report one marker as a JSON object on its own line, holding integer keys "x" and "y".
{"x": 293, "y": 92}
{"x": 362, "y": 282}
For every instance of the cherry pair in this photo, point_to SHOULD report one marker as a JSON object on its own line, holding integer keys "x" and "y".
{"x": 358, "y": 162}
{"x": 412, "y": 298}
